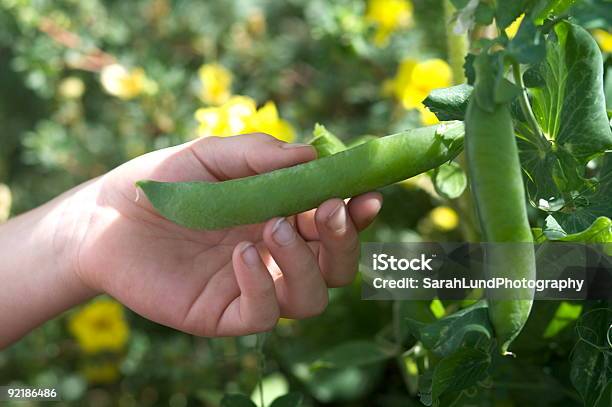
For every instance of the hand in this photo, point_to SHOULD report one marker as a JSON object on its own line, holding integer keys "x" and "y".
{"x": 217, "y": 283}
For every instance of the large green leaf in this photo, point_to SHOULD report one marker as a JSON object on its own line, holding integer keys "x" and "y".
{"x": 570, "y": 108}
{"x": 456, "y": 372}
{"x": 528, "y": 46}
{"x": 554, "y": 8}
{"x": 590, "y": 205}
{"x": 352, "y": 354}
{"x": 449, "y": 180}
{"x": 469, "y": 326}
{"x": 591, "y": 363}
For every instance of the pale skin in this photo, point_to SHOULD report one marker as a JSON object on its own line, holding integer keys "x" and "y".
{"x": 104, "y": 237}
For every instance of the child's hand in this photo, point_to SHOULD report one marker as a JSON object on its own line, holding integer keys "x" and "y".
{"x": 216, "y": 283}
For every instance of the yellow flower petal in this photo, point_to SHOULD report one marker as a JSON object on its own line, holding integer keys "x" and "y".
{"x": 432, "y": 74}
{"x": 100, "y": 326}
{"x": 415, "y": 80}
{"x": 604, "y": 39}
{"x": 216, "y": 83}
{"x": 266, "y": 120}
{"x": 413, "y": 96}
{"x": 388, "y": 16}
{"x": 428, "y": 118}
{"x": 444, "y": 218}
{"x": 240, "y": 115}
{"x": 512, "y": 29}
{"x": 118, "y": 81}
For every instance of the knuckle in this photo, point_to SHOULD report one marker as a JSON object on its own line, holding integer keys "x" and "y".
{"x": 335, "y": 280}
{"x": 266, "y": 322}
{"x": 260, "y": 136}
{"x": 313, "y": 308}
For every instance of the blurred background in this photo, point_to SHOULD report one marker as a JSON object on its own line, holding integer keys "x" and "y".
{"x": 88, "y": 84}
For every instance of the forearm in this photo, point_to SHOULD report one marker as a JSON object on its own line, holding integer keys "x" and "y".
{"x": 38, "y": 263}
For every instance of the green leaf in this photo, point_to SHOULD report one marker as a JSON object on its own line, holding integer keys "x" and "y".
{"x": 553, "y": 7}
{"x": 590, "y": 361}
{"x": 508, "y": 11}
{"x": 288, "y": 400}
{"x": 570, "y": 109}
{"x": 600, "y": 231}
{"x": 449, "y": 180}
{"x": 236, "y": 400}
{"x": 605, "y": 398}
{"x": 449, "y": 103}
{"x": 528, "y": 46}
{"x": 469, "y": 326}
{"x": 352, "y": 354}
{"x": 594, "y": 203}
{"x": 566, "y": 314}
{"x": 325, "y": 142}
{"x": 484, "y": 13}
{"x": 418, "y": 311}
{"x": 458, "y": 371}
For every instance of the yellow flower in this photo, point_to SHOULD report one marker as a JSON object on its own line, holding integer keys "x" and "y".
{"x": 444, "y": 218}
{"x": 513, "y": 28}
{"x": 604, "y": 39}
{"x": 100, "y": 326}
{"x": 216, "y": 84}
{"x": 240, "y": 115}
{"x": 415, "y": 80}
{"x": 227, "y": 119}
{"x": 266, "y": 120}
{"x": 101, "y": 373}
{"x": 388, "y": 16}
{"x": 71, "y": 88}
{"x": 428, "y": 118}
{"x": 5, "y": 202}
{"x": 118, "y": 81}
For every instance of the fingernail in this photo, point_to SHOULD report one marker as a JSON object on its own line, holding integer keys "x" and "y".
{"x": 295, "y": 145}
{"x": 336, "y": 220}
{"x": 282, "y": 232}
{"x": 250, "y": 255}
{"x": 377, "y": 205}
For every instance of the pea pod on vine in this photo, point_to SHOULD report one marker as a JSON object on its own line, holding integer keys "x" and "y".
{"x": 499, "y": 194}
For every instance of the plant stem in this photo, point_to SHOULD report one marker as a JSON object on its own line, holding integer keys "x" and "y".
{"x": 261, "y": 340}
{"x": 526, "y": 108}
{"x": 456, "y": 45}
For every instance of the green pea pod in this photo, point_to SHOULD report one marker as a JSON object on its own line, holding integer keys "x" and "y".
{"x": 288, "y": 191}
{"x": 497, "y": 186}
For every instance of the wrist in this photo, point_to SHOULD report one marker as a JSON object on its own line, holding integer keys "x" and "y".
{"x": 71, "y": 222}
